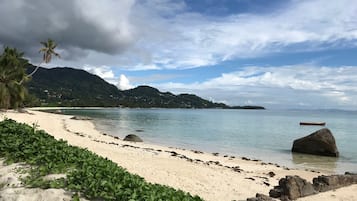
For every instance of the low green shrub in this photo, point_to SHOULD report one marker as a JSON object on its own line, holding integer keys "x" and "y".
{"x": 88, "y": 174}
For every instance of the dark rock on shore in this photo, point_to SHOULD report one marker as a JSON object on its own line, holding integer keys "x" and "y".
{"x": 81, "y": 118}
{"x": 292, "y": 187}
{"x": 320, "y": 142}
{"x": 326, "y": 183}
{"x": 133, "y": 138}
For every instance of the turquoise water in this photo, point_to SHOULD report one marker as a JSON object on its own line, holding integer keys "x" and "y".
{"x": 261, "y": 134}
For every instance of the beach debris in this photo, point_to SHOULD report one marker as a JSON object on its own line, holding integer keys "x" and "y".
{"x": 271, "y": 174}
{"x": 131, "y": 146}
{"x": 266, "y": 183}
{"x": 198, "y": 160}
{"x": 320, "y": 142}
{"x": 236, "y": 169}
{"x": 250, "y": 178}
{"x": 114, "y": 143}
{"x": 260, "y": 197}
{"x": 133, "y": 138}
{"x": 80, "y": 118}
{"x": 215, "y": 154}
{"x": 245, "y": 159}
{"x": 292, "y": 187}
{"x": 173, "y": 153}
{"x": 197, "y": 152}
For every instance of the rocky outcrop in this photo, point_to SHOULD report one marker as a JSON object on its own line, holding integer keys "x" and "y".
{"x": 326, "y": 183}
{"x": 320, "y": 142}
{"x": 292, "y": 187}
{"x": 133, "y": 138}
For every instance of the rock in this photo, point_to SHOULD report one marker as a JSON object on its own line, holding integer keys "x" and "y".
{"x": 58, "y": 112}
{"x": 292, "y": 187}
{"x": 320, "y": 142}
{"x": 260, "y": 197}
{"x": 276, "y": 192}
{"x": 133, "y": 138}
{"x": 326, "y": 183}
{"x": 81, "y": 118}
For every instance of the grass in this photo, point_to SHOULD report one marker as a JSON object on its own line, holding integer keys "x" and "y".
{"x": 92, "y": 176}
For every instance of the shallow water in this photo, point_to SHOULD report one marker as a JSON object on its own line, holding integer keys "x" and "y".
{"x": 259, "y": 134}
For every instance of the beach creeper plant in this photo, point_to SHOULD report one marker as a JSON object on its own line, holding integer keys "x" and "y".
{"x": 87, "y": 174}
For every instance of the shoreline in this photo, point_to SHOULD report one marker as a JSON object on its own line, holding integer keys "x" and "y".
{"x": 210, "y": 176}
{"x": 283, "y": 157}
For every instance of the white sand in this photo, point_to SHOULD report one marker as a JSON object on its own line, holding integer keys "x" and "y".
{"x": 211, "y": 182}
{"x": 11, "y": 188}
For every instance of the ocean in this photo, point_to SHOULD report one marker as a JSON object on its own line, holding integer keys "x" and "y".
{"x": 267, "y": 135}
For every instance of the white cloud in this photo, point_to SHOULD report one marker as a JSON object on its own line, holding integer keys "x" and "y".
{"x": 166, "y": 34}
{"x": 104, "y": 72}
{"x": 124, "y": 83}
{"x": 191, "y": 40}
{"x": 283, "y": 86}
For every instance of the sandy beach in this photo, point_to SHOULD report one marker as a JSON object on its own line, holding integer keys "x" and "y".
{"x": 211, "y": 176}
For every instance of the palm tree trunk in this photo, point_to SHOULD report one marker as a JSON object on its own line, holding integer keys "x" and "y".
{"x": 33, "y": 72}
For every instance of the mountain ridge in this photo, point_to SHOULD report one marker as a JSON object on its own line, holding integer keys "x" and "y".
{"x": 66, "y": 86}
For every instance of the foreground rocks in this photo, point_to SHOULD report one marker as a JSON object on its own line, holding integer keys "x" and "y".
{"x": 293, "y": 187}
{"x": 133, "y": 138}
{"x": 326, "y": 183}
{"x": 320, "y": 142}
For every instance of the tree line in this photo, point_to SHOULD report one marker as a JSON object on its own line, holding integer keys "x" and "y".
{"x": 13, "y": 76}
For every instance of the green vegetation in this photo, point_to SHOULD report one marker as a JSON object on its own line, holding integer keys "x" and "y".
{"x": 13, "y": 75}
{"x": 70, "y": 87}
{"x": 148, "y": 97}
{"x": 48, "y": 50}
{"x": 12, "y": 72}
{"x": 88, "y": 174}
{"x": 74, "y": 87}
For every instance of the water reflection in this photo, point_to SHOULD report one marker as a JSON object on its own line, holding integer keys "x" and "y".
{"x": 319, "y": 163}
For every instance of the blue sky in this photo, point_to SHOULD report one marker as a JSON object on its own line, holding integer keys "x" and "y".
{"x": 276, "y": 53}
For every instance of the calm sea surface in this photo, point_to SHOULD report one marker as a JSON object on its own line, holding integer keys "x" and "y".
{"x": 261, "y": 134}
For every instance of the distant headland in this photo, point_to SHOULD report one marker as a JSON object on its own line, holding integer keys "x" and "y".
{"x": 69, "y": 87}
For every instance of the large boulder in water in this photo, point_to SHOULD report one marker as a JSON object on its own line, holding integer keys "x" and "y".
{"x": 320, "y": 142}
{"x": 133, "y": 138}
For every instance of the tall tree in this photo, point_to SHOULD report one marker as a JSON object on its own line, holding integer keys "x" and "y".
{"x": 12, "y": 72}
{"x": 48, "y": 50}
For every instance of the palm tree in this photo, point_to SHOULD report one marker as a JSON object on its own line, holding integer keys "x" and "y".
{"x": 12, "y": 70}
{"x": 48, "y": 50}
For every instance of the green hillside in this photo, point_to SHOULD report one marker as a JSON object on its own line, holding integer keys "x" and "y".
{"x": 75, "y": 87}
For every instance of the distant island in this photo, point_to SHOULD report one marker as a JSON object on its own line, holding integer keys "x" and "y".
{"x": 69, "y": 87}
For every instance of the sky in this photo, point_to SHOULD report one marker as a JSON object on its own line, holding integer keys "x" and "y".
{"x": 297, "y": 54}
